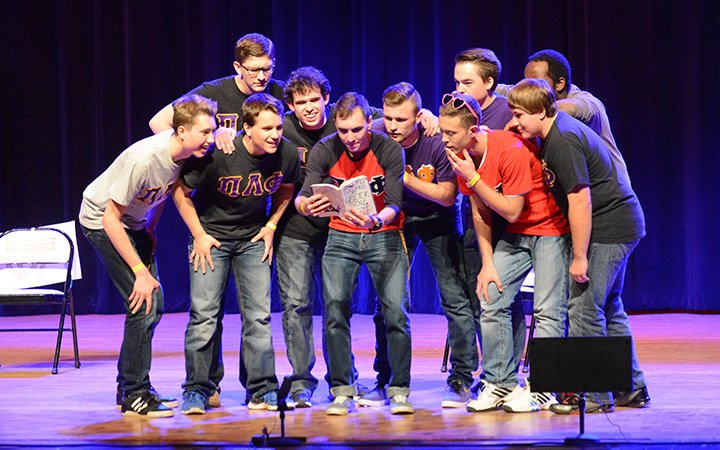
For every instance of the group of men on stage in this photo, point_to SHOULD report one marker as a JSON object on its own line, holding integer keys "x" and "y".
{"x": 544, "y": 192}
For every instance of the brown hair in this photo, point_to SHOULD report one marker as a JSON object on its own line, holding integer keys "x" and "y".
{"x": 303, "y": 80}
{"x": 534, "y": 96}
{"x": 397, "y": 94}
{"x": 347, "y": 104}
{"x": 257, "y": 103}
{"x": 486, "y": 63}
{"x": 188, "y": 107}
{"x": 253, "y": 44}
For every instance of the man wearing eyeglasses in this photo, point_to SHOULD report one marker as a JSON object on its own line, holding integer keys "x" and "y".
{"x": 254, "y": 65}
{"x": 501, "y": 172}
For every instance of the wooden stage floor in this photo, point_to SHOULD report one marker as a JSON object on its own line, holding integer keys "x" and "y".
{"x": 680, "y": 354}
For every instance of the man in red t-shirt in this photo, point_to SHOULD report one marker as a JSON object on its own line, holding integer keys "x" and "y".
{"x": 501, "y": 171}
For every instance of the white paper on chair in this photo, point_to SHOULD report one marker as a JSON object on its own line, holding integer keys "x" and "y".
{"x": 18, "y": 278}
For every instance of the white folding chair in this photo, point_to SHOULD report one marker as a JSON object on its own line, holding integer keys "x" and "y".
{"x": 36, "y": 268}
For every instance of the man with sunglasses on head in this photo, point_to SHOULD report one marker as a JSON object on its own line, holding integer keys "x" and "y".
{"x": 502, "y": 172}
{"x": 254, "y": 64}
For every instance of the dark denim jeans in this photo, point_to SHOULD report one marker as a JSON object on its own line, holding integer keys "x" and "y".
{"x": 252, "y": 280}
{"x": 136, "y": 349}
{"x": 295, "y": 262}
{"x": 443, "y": 245}
{"x": 385, "y": 256}
{"x": 595, "y": 308}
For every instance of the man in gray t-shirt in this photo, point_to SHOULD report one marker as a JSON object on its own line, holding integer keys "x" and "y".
{"x": 118, "y": 215}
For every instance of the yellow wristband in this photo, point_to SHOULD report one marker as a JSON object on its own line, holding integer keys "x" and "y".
{"x": 405, "y": 177}
{"x": 473, "y": 181}
{"x": 301, "y": 209}
{"x": 271, "y": 225}
{"x": 138, "y": 268}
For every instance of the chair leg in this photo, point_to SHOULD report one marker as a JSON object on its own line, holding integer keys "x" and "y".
{"x": 526, "y": 358}
{"x": 446, "y": 355}
{"x": 74, "y": 331}
{"x": 61, "y": 327}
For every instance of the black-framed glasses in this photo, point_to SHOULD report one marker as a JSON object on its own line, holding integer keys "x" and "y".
{"x": 255, "y": 71}
{"x": 458, "y": 103}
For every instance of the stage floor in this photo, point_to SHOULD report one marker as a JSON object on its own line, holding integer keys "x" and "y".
{"x": 680, "y": 354}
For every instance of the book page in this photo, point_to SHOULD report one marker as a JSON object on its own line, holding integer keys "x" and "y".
{"x": 334, "y": 195}
{"x": 357, "y": 195}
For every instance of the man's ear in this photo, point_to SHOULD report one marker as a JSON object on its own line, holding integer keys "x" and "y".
{"x": 489, "y": 83}
{"x": 326, "y": 99}
{"x": 560, "y": 85}
{"x": 237, "y": 67}
{"x": 418, "y": 117}
{"x": 246, "y": 129}
{"x": 181, "y": 130}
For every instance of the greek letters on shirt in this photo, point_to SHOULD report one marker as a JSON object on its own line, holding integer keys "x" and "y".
{"x": 227, "y": 120}
{"x": 233, "y": 186}
{"x": 548, "y": 174}
{"x": 152, "y": 195}
{"x": 377, "y": 184}
{"x": 302, "y": 156}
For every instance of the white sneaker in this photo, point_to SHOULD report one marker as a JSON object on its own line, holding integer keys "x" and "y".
{"x": 523, "y": 402}
{"x": 491, "y": 397}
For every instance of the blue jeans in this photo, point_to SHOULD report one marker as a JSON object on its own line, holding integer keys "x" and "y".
{"x": 136, "y": 349}
{"x": 252, "y": 280}
{"x": 473, "y": 264}
{"x": 295, "y": 262}
{"x": 513, "y": 257}
{"x": 444, "y": 248}
{"x": 385, "y": 256}
{"x": 595, "y": 308}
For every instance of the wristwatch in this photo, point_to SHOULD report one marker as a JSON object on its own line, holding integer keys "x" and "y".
{"x": 378, "y": 222}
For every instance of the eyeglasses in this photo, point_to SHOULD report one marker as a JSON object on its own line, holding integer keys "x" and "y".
{"x": 458, "y": 103}
{"x": 256, "y": 71}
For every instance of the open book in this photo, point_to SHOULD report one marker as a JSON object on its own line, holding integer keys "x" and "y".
{"x": 352, "y": 194}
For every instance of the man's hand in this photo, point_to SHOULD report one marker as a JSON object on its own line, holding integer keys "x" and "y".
{"x": 316, "y": 204}
{"x": 201, "y": 254}
{"x": 487, "y": 275}
{"x": 145, "y": 285}
{"x": 463, "y": 167}
{"x": 578, "y": 270}
{"x": 430, "y": 122}
{"x": 266, "y": 234}
{"x": 358, "y": 219}
{"x": 224, "y": 139}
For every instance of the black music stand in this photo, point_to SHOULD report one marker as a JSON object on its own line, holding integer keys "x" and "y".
{"x": 581, "y": 364}
{"x": 264, "y": 439}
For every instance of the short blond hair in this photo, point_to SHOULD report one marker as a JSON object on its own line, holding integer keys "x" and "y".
{"x": 397, "y": 94}
{"x": 533, "y": 95}
{"x": 188, "y": 107}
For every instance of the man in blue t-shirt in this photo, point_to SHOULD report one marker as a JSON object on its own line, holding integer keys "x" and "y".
{"x": 431, "y": 217}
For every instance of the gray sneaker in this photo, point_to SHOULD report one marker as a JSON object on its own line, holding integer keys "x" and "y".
{"x": 400, "y": 404}
{"x": 457, "y": 395}
{"x": 340, "y": 406}
{"x": 376, "y": 397}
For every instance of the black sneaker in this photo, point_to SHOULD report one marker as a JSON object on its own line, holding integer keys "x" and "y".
{"x": 571, "y": 403}
{"x": 144, "y": 404}
{"x": 170, "y": 402}
{"x": 639, "y": 398}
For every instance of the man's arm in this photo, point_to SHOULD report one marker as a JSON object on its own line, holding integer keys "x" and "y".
{"x": 482, "y": 221}
{"x": 509, "y": 207}
{"x": 162, "y": 120}
{"x": 202, "y": 242}
{"x": 145, "y": 284}
{"x": 580, "y": 219}
{"x": 443, "y": 192}
{"x": 280, "y": 201}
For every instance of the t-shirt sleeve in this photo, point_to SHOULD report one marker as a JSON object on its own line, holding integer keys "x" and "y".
{"x": 393, "y": 163}
{"x": 124, "y": 189}
{"x": 587, "y": 105}
{"x": 570, "y": 164}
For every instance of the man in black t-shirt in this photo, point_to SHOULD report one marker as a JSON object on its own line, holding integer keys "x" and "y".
{"x": 606, "y": 224}
{"x": 232, "y": 230}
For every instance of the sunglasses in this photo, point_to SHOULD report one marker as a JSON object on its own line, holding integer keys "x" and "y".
{"x": 458, "y": 103}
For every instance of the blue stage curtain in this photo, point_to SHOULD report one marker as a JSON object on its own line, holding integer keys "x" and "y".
{"x": 84, "y": 77}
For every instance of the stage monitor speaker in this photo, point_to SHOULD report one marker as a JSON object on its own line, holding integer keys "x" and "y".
{"x": 581, "y": 364}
